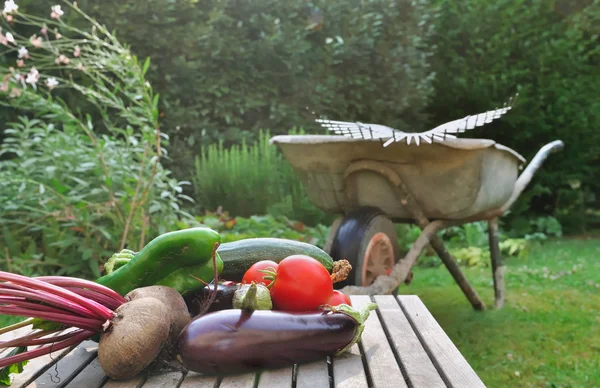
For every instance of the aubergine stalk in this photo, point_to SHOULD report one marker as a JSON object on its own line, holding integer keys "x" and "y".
{"x": 252, "y": 297}
{"x": 238, "y": 341}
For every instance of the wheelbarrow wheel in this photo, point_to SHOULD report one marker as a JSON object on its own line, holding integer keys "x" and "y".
{"x": 366, "y": 238}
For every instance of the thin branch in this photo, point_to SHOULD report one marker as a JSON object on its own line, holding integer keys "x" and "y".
{"x": 133, "y": 206}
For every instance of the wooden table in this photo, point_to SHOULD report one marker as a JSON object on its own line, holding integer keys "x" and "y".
{"x": 402, "y": 346}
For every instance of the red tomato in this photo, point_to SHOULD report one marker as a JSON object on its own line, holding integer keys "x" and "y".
{"x": 338, "y": 298}
{"x": 253, "y": 274}
{"x": 302, "y": 284}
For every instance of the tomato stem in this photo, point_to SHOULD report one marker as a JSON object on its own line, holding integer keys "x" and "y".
{"x": 270, "y": 274}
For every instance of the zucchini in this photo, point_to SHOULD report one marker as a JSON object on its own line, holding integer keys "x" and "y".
{"x": 238, "y": 256}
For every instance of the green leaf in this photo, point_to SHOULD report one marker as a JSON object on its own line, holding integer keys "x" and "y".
{"x": 42, "y": 324}
{"x": 146, "y": 66}
{"x": 14, "y": 368}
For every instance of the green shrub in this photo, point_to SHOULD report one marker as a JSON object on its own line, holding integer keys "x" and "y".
{"x": 238, "y": 228}
{"x": 74, "y": 190}
{"x": 251, "y": 179}
{"x": 548, "y": 51}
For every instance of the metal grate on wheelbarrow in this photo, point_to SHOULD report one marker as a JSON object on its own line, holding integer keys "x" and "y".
{"x": 358, "y": 130}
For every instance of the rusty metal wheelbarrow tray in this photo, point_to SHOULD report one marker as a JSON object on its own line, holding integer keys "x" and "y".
{"x": 453, "y": 180}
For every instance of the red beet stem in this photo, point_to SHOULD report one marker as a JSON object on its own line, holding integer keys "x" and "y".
{"x": 43, "y": 341}
{"x": 65, "y": 281}
{"x": 7, "y": 300}
{"x": 70, "y": 320}
{"x": 26, "y": 339}
{"x": 97, "y": 308}
{"x": 40, "y": 296}
{"x": 80, "y": 337}
{"x": 98, "y": 297}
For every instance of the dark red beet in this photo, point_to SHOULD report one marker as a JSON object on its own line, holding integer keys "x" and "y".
{"x": 236, "y": 341}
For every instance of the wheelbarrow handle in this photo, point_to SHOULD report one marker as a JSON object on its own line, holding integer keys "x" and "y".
{"x": 530, "y": 171}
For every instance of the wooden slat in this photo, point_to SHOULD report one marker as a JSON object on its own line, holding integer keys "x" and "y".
{"x": 69, "y": 366}
{"x": 313, "y": 375}
{"x": 196, "y": 380}
{"x": 166, "y": 380}
{"x": 348, "y": 370}
{"x": 453, "y": 365}
{"x": 92, "y": 376}
{"x": 419, "y": 368}
{"x": 12, "y": 335}
{"x": 133, "y": 382}
{"x": 238, "y": 381}
{"x": 276, "y": 378}
{"x": 35, "y": 367}
{"x": 382, "y": 364}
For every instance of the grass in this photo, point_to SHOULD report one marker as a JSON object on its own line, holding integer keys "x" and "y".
{"x": 548, "y": 333}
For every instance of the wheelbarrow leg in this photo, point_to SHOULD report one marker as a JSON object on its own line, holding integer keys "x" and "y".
{"x": 409, "y": 202}
{"x": 497, "y": 266}
{"x": 457, "y": 274}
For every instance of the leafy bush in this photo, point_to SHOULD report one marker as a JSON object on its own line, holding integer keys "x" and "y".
{"x": 469, "y": 243}
{"x": 247, "y": 180}
{"x": 548, "y": 51}
{"x": 238, "y": 228}
{"x": 74, "y": 190}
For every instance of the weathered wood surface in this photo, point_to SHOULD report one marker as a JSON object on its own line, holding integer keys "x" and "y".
{"x": 402, "y": 346}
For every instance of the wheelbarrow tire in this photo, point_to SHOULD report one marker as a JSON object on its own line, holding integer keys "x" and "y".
{"x": 366, "y": 238}
{"x": 335, "y": 225}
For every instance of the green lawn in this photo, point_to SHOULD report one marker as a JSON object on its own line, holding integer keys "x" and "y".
{"x": 548, "y": 333}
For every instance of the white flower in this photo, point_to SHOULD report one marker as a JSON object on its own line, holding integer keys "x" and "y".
{"x": 51, "y": 83}
{"x": 56, "y": 12}
{"x": 15, "y": 92}
{"x": 33, "y": 76}
{"x": 23, "y": 52}
{"x": 20, "y": 63}
{"x": 77, "y": 51}
{"x": 9, "y": 37}
{"x": 62, "y": 59}
{"x": 10, "y": 6}
{"x": 36, "y": 41}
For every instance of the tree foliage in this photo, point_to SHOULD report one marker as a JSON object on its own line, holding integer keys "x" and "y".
{"x": 548, "y": 51}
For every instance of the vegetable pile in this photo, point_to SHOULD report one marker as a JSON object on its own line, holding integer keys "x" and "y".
{"x": 168, "y": 303}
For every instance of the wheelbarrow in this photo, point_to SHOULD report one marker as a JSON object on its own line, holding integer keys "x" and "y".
{"x": 434, "y": 185}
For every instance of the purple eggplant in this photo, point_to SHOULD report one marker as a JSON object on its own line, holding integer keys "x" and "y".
{"x": 239, "y": 341}
{"x": 197, "y": 300}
